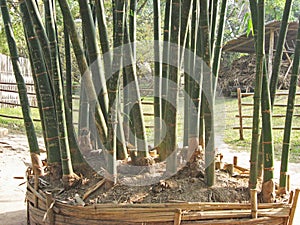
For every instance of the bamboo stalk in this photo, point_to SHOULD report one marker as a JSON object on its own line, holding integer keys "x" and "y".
{"x": 208, "y": 103}
{"x": 157, "y": 72}
{"x": 41, "y": 33}
{"x": 258, "y": 21}
{"x": 50, "y": 214}
{"x": 294, "y": 207}
{"x": 279, "y": 50}
{"x": 169, "y": 145}
{"x": 95, "y": 63}
{"x": 217, "y": 49}
{"x": 289, "y": 116}
{"x": 136, "y": 116}
{"x": 84, "y": 69}
{"x": 177, "y": 217}
{"x": 112, "y": 85}
{"x": 165, "y": 58}
{"x": 28, "y": 121}
{"x": 68, "y": 175}
{"x": 253, "y": 197}
{"x": 43, "y": 89}
{"x": 93, "y": 189}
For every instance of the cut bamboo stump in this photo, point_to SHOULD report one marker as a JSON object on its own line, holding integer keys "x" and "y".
{"x": 50, "y": 211}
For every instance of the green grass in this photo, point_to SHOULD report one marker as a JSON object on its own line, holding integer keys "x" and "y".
{"x": 17, "y": 125}
{"x": 226, "y": 111}
{"x": 231, "y": 136}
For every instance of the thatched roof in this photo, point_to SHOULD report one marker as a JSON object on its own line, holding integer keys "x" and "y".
{"x": 245, "y": 44}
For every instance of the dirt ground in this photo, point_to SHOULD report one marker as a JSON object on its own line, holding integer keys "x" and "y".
{"x": 14, "y": 157}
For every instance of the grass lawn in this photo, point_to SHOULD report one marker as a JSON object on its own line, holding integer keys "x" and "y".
{"x": 17, "y": 125}
{"x": 226, "y": 111}
{"x": 231, "y": 136}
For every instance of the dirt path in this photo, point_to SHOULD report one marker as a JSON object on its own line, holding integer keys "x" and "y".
{"x": 14, "y": 155}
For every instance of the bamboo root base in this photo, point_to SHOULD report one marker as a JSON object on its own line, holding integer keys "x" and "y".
{"x": 49, "y": 211}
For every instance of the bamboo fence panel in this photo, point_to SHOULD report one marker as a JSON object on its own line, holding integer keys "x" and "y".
{"x": 241, "y": 115}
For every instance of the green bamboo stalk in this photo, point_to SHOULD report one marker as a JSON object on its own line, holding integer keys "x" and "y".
{"x": 187, "y": 67}
{"x": 186, "y": 14}
{"x": 43, "y": 89}
{"x": 132, "y": 26}
{"x": 67, "y": 169}
{"x": 28, "y": 122}
{"x": 77, "y": 159}
{"x": 218, "y": 44}
{"x": 214, "y": 11}
{"x": 267, "y": 140}
{"x": 289, "y": 116}
{"x": 169, "y": 143}
{"x": 38, "y": 97}
{"x": 258, "y": 19}
{"x": 94, "y": 55}
{"x": 41, "y": 32}
{"x": 166, "y": 46}
{"x": 165, "y": 68}
{"x": 279, "y": 50}
{"x": 157, "y": 72}
{"x": 136, "y": 114}
{"x": 68, "y": 63}
{"x": 101, "y": 19}
{"x": 112, "y": 85}
{"x": 193, "y": 81}
{"x": 208, "y": 103}
{"x": 84, "y": 69}
{"x": 127, "y": 119}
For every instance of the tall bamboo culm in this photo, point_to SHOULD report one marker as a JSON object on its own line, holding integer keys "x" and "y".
{"x": 258, "y": 20}
{"x": 289, "y": 117}
{"x": 43, "y": 89}
{"x": 28, "y": 122}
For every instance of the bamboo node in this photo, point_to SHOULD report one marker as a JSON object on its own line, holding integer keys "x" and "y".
{"x": 284, "y": 173}
{"x": 267, "y": 142}
{"x": 40, "y": 74}
{"x": 32, "y": 38}
{"x": 269, "y": 169}
{"x": 52, "y": 138}
{"x": 46, "y": 108}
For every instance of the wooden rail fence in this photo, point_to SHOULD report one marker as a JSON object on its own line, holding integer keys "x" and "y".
{"x": 241, "y": 116}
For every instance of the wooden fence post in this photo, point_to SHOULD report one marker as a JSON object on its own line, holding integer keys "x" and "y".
{"x": 239, "y": 95}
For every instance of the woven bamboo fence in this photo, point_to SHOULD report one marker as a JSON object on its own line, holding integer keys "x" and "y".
{"x": 9, "y": 96}
{"x": 242, "y": 105}
{"x": 43, "y": 209}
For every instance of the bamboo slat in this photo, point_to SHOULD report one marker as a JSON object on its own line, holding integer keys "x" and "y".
{"x": 261, "y": 221}
{"x": 165, "y": 213}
